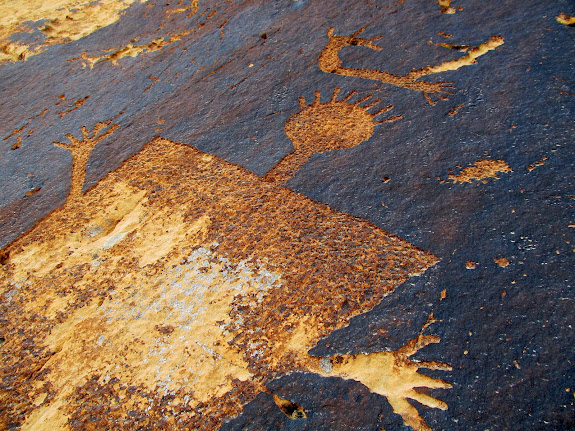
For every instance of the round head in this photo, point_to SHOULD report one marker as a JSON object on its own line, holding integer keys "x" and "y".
{"x": 332, "y": 125}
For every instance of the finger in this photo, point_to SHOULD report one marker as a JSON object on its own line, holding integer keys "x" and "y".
{"x": 358, "y": 32}
{"x": 428, "y": 400}
{"x": 420, "y": 342}
{"x": 390, "y": 120}
{"x": 383, "y": 110}
{"x": 434, "y": 365}
{"x": 409, "y": 413}
{"x": 429, "y": 99}
{"x": 372, "y": 46}
{"x": 371, "y": 104}
{"x": 424, "y": 381}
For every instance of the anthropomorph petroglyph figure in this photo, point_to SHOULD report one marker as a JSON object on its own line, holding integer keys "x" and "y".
{"x": 330, "y": 62}
{"x": 195, "y": 285}
{"x": 321, "y": 127}
{"x": 81, "y": 150}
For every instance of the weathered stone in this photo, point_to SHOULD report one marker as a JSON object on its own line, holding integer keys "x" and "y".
{"x": 474, "y": 149}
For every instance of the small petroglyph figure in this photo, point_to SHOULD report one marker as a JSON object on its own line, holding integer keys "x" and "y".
{"x": 446, "y": 8}
{"x": 565, "y": 19}
{"x": 81, "y": 150}
{"x": 321, "y": 127}
{"x": 330, "y": 62}
{"x": 291, "y": 410}
{"x": 114, "y": 55}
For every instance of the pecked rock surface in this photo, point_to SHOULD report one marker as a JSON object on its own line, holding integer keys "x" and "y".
{"x": 286, "y": 215}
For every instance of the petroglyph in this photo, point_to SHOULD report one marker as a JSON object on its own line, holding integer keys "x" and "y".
{"x": 62, "y": 21}
{"x": 453, "y": 111}
{"x": 194, "y": 282}
{"x": 470, "y": 264}
{"x": 460, "y": 48}
{"x": 77, "y": 104}
{"x": 181, "y": 7}
{"x": 17, "y": 144}
{"x": 503, "y": 262}
{"x": 81, "y": 150}
{"x": 291, "y": 410}
{"x": 537, "y": 164}
{"x": 481, "y": 170}
{"x": 130, "y": 50}
{"x": 25, "y": 131}
{"x": 471, "y": 58}
{"x": 328, "y": 126}
{"x": 330, "y": 62}
{"x": 445, "y": 6}
{"x": 565, "y": 19}
{"x": 395, "y": 376}
{"x": 19, "y": 131}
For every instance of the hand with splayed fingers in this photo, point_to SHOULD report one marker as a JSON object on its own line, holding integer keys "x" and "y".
{"x": 440, "y": 90}
{"x": 395, "y": 375}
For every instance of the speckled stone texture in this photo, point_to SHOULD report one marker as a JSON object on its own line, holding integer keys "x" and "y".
{"x": 225, "y": 78}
